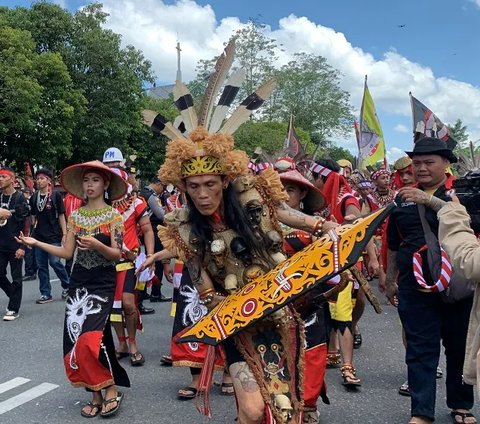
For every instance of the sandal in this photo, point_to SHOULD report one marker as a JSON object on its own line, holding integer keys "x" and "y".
{"x": 404, "y": 389}
{"x": 166, "y": 360}
{"x": 357, "y": 340}
{"x": 92, "y": 405}
{"x": 227, "y": 389}
{"x": 137, "y": 359}
{"x": 121, "y": 355}
{"x": 114, "y": 410}
{"x": 349, "y": 375}
{"x": 462, "y": 415}
{"x": 187, "y": 393}
{"x": 333, "y": 359}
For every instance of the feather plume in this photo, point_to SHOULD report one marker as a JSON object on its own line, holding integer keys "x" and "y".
{"x": 159, "y": 124}
{"x": 467, "y": 161}
{"x": 184, "y": 103}
{"x": 245, "y": 109}
{"x": 178, "y": 123}
{"x": 224, "y": 62}
{"x": 228, "y": 95}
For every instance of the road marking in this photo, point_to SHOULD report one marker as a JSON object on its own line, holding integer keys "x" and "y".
{"x": 11, "y": 384}
{"x": 27, "y": 396}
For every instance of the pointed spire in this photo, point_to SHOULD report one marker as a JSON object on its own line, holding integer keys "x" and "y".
{"x": 179, "y": 70}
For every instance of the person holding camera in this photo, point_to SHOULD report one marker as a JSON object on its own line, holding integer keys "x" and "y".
{"x": 427, "y": 320}
{"x": 14, "y": 210}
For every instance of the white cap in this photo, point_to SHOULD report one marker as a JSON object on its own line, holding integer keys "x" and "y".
{"x": 112, "y": 155}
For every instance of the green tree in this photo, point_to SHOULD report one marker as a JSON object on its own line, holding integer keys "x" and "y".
{"x": 459, "y": 133}
{"x": 20, "y": 94}
{"x": 309, "y": 88}
{"x": 254, "y": 52}
{"x": 148, "y": 147}
{"x": 110, "y": 79}
{"x": 268, "y": 135}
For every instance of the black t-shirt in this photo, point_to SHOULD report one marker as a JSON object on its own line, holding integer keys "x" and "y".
{"x": 405, "y": 236}
{"x": 47, "y": 208}
{"x": 18, "y": 206}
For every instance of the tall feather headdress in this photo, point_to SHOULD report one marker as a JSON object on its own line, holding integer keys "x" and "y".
{"x": 194, "y": 150}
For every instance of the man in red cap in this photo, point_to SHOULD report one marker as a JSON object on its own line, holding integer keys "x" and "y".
{"x": 14, "y": 210}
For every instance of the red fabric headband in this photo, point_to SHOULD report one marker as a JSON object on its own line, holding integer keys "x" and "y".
{"x": 7, "y": 172}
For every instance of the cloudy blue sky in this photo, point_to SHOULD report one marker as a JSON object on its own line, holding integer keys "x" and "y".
{"x": 429, "y": 47}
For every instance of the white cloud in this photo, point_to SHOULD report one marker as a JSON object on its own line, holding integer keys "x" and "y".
{"x": 394, "y": 153}
{"x": 400, "y": 128}
{"x": 62, "y": 3}
{"x": 153, "y": 26}
{"x": 477, "y": 2}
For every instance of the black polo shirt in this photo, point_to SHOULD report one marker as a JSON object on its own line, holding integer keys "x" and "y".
{"x": 405, "y": 235}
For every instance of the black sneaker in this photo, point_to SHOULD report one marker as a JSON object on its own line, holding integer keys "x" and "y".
{"x": 161, "y": 298}
{"x": 145, "y": 311}
{"x": 44, "y": 299}
{"x": 30, "y": 277}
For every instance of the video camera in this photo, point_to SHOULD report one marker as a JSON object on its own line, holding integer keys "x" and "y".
{"x": 467, "y": 189}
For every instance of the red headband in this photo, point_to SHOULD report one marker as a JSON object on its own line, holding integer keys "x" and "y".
{"x": 7, "y": 172}
{"x": 378, "y": 173}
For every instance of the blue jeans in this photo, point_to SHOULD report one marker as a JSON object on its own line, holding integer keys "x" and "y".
{"x": 43, "y": 259}
{"x": 427, "y": 322}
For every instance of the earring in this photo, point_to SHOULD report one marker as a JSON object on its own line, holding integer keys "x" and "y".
{"x": 105, "y": 195}
{"x": 301, "y": 206}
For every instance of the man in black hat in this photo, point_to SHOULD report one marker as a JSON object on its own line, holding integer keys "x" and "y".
{"x": 427, "y": 320}
{"x": 50, "y": 227}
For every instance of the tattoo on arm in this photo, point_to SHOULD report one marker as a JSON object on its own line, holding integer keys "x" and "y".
{"x": 293, "y": 218}
{"x": 118, "y": 237}
{"x": 246, "y": 378}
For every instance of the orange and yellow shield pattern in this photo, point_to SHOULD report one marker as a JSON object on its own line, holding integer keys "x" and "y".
{"x": 318, "y": 262}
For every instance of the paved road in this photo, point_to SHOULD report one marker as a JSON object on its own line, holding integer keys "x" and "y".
{"x": 33, "y": 387}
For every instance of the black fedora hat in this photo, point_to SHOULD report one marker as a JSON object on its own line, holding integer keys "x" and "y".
{"x": 432, "y": 146}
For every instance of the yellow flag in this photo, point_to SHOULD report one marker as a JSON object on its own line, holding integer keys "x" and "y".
{"x": 371, "y": 145}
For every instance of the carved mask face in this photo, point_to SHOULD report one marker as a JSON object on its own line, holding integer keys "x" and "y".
{"x": 218, "y": 250}
{"x": 254, "y": 211}
{"x": 240, "y": 250}
{"x": 276, "y": 241}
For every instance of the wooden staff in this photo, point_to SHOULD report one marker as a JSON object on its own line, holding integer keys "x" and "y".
{"x": 364, "y": 284}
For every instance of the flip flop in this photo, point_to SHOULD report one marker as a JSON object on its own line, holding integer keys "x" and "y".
{"x": 461, "y": 415}
{"x": 91, "y": 405}
{"x": 188, "y": 393}
{"x": 137, "y": 359}
{"x": 113, "y": 411}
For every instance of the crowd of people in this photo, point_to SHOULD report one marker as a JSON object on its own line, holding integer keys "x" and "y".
{"x": 214, "y": 221}
{"x": 109, "y": 219}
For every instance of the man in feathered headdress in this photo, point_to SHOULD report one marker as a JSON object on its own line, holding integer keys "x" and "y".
{"x": 225, "y": 245}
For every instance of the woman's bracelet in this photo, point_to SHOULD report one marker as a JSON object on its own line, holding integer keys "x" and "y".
{"x": 318, "y": 227}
